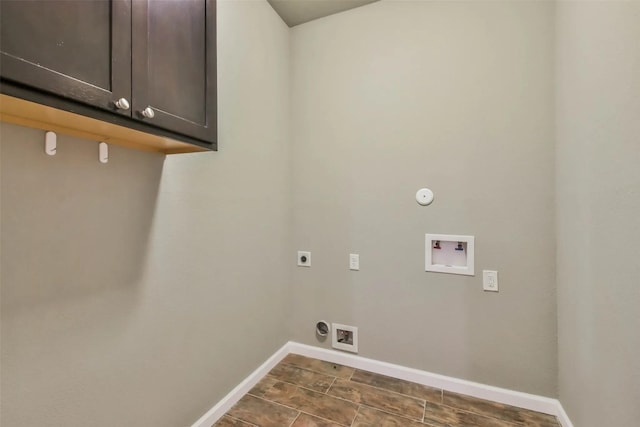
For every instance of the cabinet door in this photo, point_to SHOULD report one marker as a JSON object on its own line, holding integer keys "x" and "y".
{"x": 76, "y": 49}
{"x": 174, "y": 65}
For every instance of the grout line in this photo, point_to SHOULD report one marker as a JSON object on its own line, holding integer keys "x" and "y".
{"x": 502, "y": 409}
{"x": 294, "y": 420}
{"x": 356, "y": 415}
{"x": 249, "y": 392}
{"x": 369, "y": 406}
{"x": 402, "y": 394}
{"x": 301, "y": 411}
{"x": 415, "y": 420}
{"x": 297, "y": 409}
{"x": 293, "y": 384}
{"x": 307, "y": 368}
{"x": 237, "y": 419}
{"x": 331, "y": 385}
{"x": 323, "y": 418}
{"x": 343, "y": 399}
{"x": 276, "y": 403}
{"x": 386, "y": 390}
{"x": 467, "y": 411}
{"x": 298, "y": 385}
{"x": 303, "y": 369}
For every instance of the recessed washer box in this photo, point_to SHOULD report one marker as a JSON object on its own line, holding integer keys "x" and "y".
{"x": 449, "y": 253}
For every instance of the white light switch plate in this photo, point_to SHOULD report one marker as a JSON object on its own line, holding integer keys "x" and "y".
{"x": 354, "y": 262}
{"x": 490, "y": 280}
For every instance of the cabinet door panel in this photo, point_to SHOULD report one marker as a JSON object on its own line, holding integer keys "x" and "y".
{"x": 77, "y": 49}
{"x": 174, "y": 65}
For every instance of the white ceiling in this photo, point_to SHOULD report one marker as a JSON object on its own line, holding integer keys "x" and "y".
{"x": 295, "y": 12}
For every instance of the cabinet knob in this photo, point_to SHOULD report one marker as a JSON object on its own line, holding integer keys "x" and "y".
{"x": 122, "y": 104}
{"x": 148, "y": 113}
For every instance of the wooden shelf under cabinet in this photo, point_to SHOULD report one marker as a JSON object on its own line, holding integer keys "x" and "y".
{"x": 31, "y": 114}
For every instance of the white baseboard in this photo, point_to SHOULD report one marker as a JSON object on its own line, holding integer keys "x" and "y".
{"x": 227, "y": 402}
{"x": 563, "y": 417}
{"x": 532, "y": 402}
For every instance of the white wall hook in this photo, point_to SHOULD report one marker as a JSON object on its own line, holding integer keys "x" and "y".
{"x": 50, "y": 143}
{"x": 103, "y": 152}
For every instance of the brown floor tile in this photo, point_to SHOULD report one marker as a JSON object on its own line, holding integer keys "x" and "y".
{"x": 346, "y": 397}
{"x": 504, "y": 412}
{"x": 314, "y": 403}
{"x": 302, "y": 377}
{"x": 470, "y": 419}
{"x": 369, "y": 417}
{"x": 438, "y": 415}
{"x": 399, "y": 386}
{"x": 263, "y": 386}
{"x": 493, "y": 409}
{"x": 280, "y": 390}
{"x": 227, "y": 421}
{"x": 305, "y": 420}
{"x": 378, "y": 398}
{"x": 537, "y": 419}
{"x": 320, "y": 366}
{"x": 265, "y": 414}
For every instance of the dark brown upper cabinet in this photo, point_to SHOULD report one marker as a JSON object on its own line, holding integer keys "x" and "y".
{"x": 147, "y": 65}
{"x": 174, "y": 75}
{"x": 69, "y": 48}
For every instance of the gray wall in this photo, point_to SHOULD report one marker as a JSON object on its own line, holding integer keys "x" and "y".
{"x": 138, "y": 293}
{"x": 458, "y": 97}
{"x": 598, "y": 205}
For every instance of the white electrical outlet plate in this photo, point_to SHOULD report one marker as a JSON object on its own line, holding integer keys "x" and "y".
{"x": 304, "y": 259}
{"x": 490, "y": 280}
{"x": 344, "y": 337}
{"x": 354, "y": 262}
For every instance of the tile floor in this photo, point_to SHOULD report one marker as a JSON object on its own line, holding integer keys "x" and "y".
{"x": 304, "y": 392}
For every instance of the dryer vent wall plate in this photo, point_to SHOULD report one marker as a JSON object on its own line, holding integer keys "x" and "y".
{"x": 322, "y": 328}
